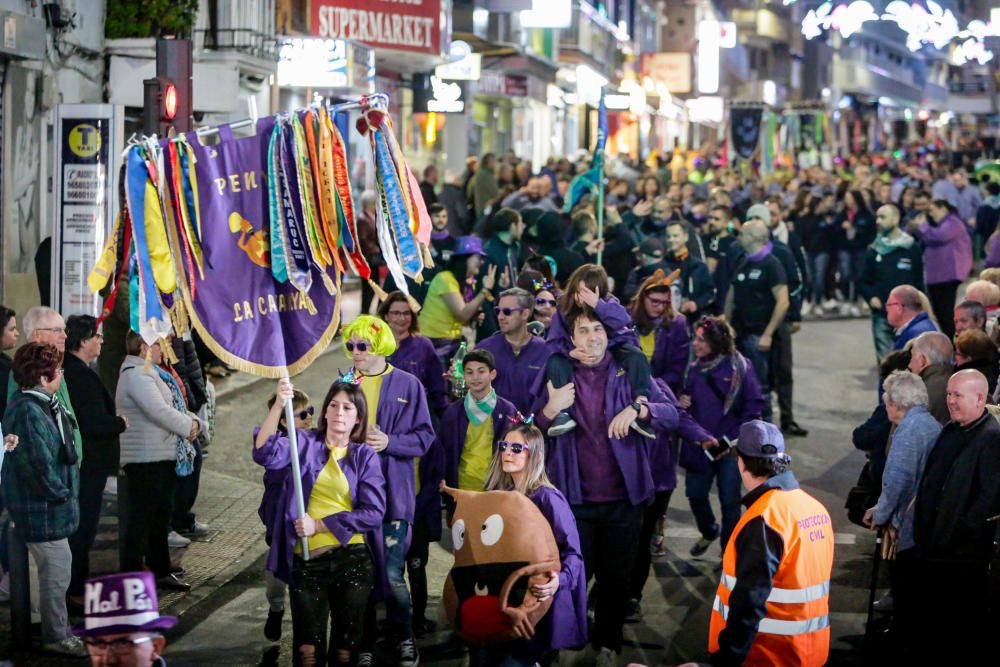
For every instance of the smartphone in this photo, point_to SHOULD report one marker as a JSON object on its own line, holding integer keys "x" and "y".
{"x": 720, "y": 450}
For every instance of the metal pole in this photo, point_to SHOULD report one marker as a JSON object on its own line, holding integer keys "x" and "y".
{"x": 293, "y": 443}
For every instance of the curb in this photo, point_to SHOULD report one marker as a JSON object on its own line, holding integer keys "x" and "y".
{"x": 209, "y": 588}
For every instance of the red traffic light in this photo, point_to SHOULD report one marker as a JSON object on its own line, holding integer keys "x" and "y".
{"x": 169, "y": 101}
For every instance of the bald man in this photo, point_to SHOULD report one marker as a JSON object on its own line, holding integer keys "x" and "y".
{"x": 905, "y": 311}
{"x": 931, "y": 356}
{"x": 894, "y": 259}
{"x": 959, "y": 494}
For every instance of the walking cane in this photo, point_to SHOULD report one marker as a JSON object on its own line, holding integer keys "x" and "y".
{"x": 293, "y": 443}
{"x": 871, "y": 593}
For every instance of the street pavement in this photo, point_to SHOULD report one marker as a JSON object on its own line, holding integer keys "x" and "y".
{"x": 222, "y": 619}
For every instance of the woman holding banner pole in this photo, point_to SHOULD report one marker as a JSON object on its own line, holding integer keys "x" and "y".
{"x": 345, "y": 490}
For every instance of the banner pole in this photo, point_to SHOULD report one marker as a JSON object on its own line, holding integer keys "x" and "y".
{"x": 600, "y": 206}
{"x": 293, "y": 443}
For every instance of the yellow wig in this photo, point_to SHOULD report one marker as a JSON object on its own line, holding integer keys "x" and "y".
{"x": 373, "y": 330}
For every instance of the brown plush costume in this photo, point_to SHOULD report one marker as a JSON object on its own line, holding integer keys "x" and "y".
{"x": 503, "y": 544}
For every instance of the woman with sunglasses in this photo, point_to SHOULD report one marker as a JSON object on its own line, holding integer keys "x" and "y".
{"x": 269, "y": 511}
{"x": 453, "y": 299}
{"x": 663, "y": 333}
{"x": 345, "y": 495}
{"x": 414, "y": 352}
{"x": 545, "y": 300}
{"x": 519, "y": 465}
{"x": 721, "y": 393}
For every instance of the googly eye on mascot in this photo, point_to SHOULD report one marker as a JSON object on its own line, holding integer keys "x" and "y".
{"x": 503, "y": 545}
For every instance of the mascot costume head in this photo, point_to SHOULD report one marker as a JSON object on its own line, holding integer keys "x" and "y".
{"x": 503, "y": 544}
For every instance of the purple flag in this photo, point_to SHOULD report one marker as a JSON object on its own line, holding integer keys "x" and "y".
{"x": 246, "y": 318}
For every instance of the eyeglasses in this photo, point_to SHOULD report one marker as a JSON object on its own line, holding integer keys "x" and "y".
{"x": 58, "y": 330}
{"x": 507, "y": 312}
{"x": 360, "y": 346}
{"x": 545, "y": 302}
{"x": 400, "y": 313}
{"x": 515, "y": 447}
{"x": 893, "y": 303}
{"x": 98, "y": 335}
{"x": 308, "y": 412}
{"x": 116, "y": 646}
{"x": 658, "y": 302}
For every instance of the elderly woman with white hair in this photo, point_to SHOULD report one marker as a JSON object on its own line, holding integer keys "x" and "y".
{"x": 916, "y": 431}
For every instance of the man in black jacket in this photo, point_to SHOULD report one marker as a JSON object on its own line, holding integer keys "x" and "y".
{"x": 100, "y": 427}
{"x": 895, "y": 258}
{"x": 955, "y": 520}
{"x": 697, "y": 290}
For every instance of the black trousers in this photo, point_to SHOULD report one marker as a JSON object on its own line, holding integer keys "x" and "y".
{"x": 150, "y": 496}
{"x": 781, "y": 370}
{"x": 953, "y": 611}
{"x": 416, "y": 569}
{"x": 185, "y": 493}
{"x": 91, "y": 497}
{"x": 643, "y": 556}
{"x": 333, "y": 587}
{"x": 609, "y": 538}
{"x": 559, "y": 369}
{"x": 942, "y": 297}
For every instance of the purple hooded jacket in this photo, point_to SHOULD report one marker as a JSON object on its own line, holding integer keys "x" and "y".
{"x": 947, "y": 250}
{"x": 455, "y": 424}
{"x": 516, "y": 374}
{"x": 415, "y": 355}
{"x": 671, "y": 352}
{"x": 565, "y": 624}
{"x": 708, "y": 391}
{"x": 663, "y": 452}
{"x": 403, "y": 416}
{"x": 367, "y": 485}
{"x": 630, "y": 452}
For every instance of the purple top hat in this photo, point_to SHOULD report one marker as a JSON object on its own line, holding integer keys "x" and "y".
{"x": 120, "y": 603}
{"x": 468, "y": 245}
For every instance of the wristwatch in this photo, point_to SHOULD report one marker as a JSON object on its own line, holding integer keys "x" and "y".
{"x": 637, "y": 406}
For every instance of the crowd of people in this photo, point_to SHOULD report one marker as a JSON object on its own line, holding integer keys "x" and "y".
{"x": 578, "y": 357}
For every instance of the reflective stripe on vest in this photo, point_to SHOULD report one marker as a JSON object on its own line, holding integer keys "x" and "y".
{"x": 788, "y": 595}
{"x": 773, "y": 627}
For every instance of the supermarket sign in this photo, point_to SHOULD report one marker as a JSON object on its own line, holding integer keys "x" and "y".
{"x": 403, "y": 25}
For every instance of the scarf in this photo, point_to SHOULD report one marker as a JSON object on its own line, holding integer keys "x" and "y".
{"x": 739, "y": 364}
{"x": 780, "y": 232}
{"x": 884, "y": 244}
{"x": 681, "y": 255}
{"x": 480, "y": 411}
{"x": 185, "y": 449}
{"x": 762, "y": 253}
{"x": 64, "y": 421}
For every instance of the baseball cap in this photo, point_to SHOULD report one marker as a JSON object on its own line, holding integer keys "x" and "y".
{"x": 652, "y": 247}
{"x": 760, "y": 211}
{"x": 760, "y": 440}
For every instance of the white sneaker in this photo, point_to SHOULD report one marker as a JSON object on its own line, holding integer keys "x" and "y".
{"x": 853, "y": 310}
{"x": 807, "y": 309}
{"x": 71, "y": 646}
{"x": 829, "y": 304}
{"x": 605, "y": 658}
{"x": 198, "y": 529}
{"x": 177, "y": 541}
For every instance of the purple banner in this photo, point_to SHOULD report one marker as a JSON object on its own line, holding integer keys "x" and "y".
{"x": 246, "y": 318}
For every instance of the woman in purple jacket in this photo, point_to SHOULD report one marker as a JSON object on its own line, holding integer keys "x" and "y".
{"x": 663, "y": 333}
{"x": 414, "y": 352}
{"x": 344, "y": 489}
{"x": 947, "y": 259}
{"x": 720, "y": 393}
{"x": 519, "y": 465}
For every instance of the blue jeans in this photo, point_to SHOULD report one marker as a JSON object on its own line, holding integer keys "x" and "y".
{"x": 850, "y": 264}
{"x": 819, "y": 263}
{"x": 747, "y": 344}
{"x": 399, "y": 610}
{"x": 883, "y": 334}
{"x": 697, "y": 486}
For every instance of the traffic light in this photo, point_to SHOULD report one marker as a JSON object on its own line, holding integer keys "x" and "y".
{"x": 159, "y": 106}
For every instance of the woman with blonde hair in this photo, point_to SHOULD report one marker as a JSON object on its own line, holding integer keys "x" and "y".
{"x": 519, "y": 465}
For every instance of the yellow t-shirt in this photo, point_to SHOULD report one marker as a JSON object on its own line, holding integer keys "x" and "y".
{"x": 371, "y": 387}
{"x": 330, "y": 495}
{"x": 476, "y": 455}
{"x": 647, "y": 344}
{"x": 436, "y": 321}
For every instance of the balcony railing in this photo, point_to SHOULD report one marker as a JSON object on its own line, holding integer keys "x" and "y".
{"x": 242, "y": 40}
